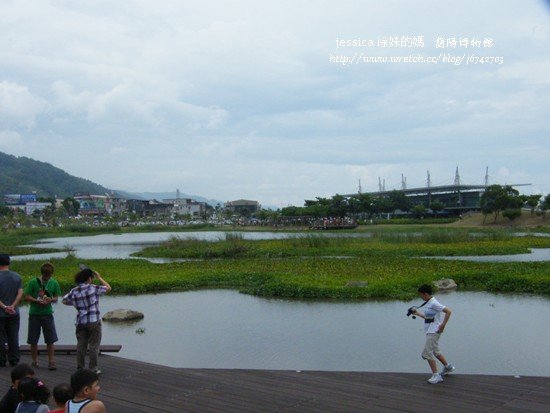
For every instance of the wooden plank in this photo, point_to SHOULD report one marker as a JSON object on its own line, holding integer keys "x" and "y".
{"x": 69, "y": 349}
{"x": 128, "y": 385}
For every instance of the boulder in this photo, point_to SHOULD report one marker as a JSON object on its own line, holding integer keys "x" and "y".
{"x": 445, "y": 284}
{"x": 122, "y": 315}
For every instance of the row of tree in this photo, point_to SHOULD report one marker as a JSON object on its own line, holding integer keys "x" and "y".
{"x": 505, "y": 200}
{"x": 360, "y": 204}
{"x": 495, "y": 200}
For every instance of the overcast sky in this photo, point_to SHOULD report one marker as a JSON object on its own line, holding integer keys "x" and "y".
{"x": 253, "y": 99}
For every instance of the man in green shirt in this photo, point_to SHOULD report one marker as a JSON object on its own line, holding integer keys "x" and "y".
{"x": 42, "y": 292}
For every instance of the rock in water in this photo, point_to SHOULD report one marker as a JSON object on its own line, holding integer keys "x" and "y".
{"x": 122, "y": 315}
{"x": 445, "y": 284}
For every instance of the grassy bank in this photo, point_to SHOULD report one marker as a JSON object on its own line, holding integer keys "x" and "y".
{"x": 410, "y": 244}
{"x": 385, "y": 276}
{"x": 385, "y": 265}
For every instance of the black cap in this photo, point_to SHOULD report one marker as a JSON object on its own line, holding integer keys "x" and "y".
{"x": 4, "y": 259}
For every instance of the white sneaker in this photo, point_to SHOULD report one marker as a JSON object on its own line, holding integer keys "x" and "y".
{"x": 436, "y": 378}
{"x": 449, "y": 368}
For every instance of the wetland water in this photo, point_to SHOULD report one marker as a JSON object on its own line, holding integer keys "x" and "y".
{"x": 123, "y": 245}
{"x": 487, "y": 333}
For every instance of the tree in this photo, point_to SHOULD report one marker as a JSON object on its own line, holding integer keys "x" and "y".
{"x": 338, "y": 206}
{"x": 532, "y": 201}
{"x": 71, "y": 206}
{"x": 399, "y": 200}
{"x": 497, "y": 198}
{"x": 381, "y": 204}
{"x": 418, "y": 211}
{"x": 437, "y": 206}
{"x": 5, "y": 211}
{"x": 544, "y": 206}
{"x": 361, "y": 204}
{"x": 511, "y": 213}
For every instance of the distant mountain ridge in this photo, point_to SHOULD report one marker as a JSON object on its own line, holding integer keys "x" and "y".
{"x": 22, "y": 175}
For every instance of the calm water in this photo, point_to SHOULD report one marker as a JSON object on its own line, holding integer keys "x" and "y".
{"x": 123, "y": 245}
{"x": 487, "y": 334}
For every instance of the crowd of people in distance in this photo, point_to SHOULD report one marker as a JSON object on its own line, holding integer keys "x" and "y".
{"x": 27, "y": 393}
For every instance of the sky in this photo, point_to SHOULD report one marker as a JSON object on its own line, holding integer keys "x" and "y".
{"x": 278, "y": 101}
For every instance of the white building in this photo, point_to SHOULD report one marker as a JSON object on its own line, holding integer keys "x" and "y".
{"x": 187, "y": 206}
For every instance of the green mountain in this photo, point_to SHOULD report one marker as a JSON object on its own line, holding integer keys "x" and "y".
{"x": 21, "y": 175}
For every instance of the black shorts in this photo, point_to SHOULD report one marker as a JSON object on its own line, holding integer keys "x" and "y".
{"x": 45, "y": 323}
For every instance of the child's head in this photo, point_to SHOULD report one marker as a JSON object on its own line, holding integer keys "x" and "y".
{"x": 32, "y": 389}
{"x": 47, "y": 269}
{"x": 83, "y": 276}
{"x": 85, "y": 384}
{"x": 425, "y": 290}
{"x": 20, "y": 371}
{"x": 62, "y": 393}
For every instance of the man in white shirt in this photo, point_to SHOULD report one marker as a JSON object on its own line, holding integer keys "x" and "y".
{"x": 434, "y": 327}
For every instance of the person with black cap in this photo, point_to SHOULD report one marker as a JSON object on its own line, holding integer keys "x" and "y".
{"x": 11, "y": 294}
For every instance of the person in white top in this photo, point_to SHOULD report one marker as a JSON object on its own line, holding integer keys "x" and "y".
{"x": 434, "y": 326}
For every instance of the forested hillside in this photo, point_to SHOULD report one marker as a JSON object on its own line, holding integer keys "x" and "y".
{"x": 25, "y": 175}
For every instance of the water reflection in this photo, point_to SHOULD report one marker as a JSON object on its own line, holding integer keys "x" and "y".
{"x": 487, "y": 334}
{"x": 537, "y": 254}
{"x": 122, "y": 246}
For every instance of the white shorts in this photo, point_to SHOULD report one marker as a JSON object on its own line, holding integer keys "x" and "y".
{"x": 431, "y": 349}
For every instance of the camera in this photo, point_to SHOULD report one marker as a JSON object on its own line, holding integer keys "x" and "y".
{"x": 411, "y": 311}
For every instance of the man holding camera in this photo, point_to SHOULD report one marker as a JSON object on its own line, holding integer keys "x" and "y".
{"x": 433, "y": 326}
{"x": 85, "y": 298}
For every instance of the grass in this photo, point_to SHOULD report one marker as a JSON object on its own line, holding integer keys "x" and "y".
{"x": 317, "y": 267}
{"x": 390, "y": 277}
{"x": 411, "y": 244}
{"x": 308, "y": 266}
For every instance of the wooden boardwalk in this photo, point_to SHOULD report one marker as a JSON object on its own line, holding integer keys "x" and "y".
{"x": 131, "y": 386}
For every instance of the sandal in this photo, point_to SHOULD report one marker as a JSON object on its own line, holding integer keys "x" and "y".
{"x": 35, "y": 364}
{"x": 52, "y": 366}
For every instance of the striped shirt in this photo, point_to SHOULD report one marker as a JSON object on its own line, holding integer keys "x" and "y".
{"x": 85, "y": 298}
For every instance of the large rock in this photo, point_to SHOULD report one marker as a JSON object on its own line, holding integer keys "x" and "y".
{"x": 445, "y": 284}
{"x": 122, "y": 315}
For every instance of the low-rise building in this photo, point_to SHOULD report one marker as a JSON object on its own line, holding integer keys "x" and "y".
{"x": 91, "y": 204}
{"x": 187, "y": 206}
{"x": 150, "y": 208}
{"x": 243, "y": 206}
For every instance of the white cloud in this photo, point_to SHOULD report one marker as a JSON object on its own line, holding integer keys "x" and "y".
{"x": 18, "y": 106}
{"x": 530, "y": 71}
{"x": 9, "y": 140}
{"x": 240, "y": 100}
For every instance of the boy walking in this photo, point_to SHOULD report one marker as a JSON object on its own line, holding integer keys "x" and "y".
{"x": 85, "y": 298}
{"x": 41, "y": 292}
{"x": 434, "y": 327}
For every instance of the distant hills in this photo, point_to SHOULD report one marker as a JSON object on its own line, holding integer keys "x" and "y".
{"x": 22, "y": 175}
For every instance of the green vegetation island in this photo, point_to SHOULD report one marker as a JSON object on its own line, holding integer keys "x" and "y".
{"x": 370, "y": 262}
